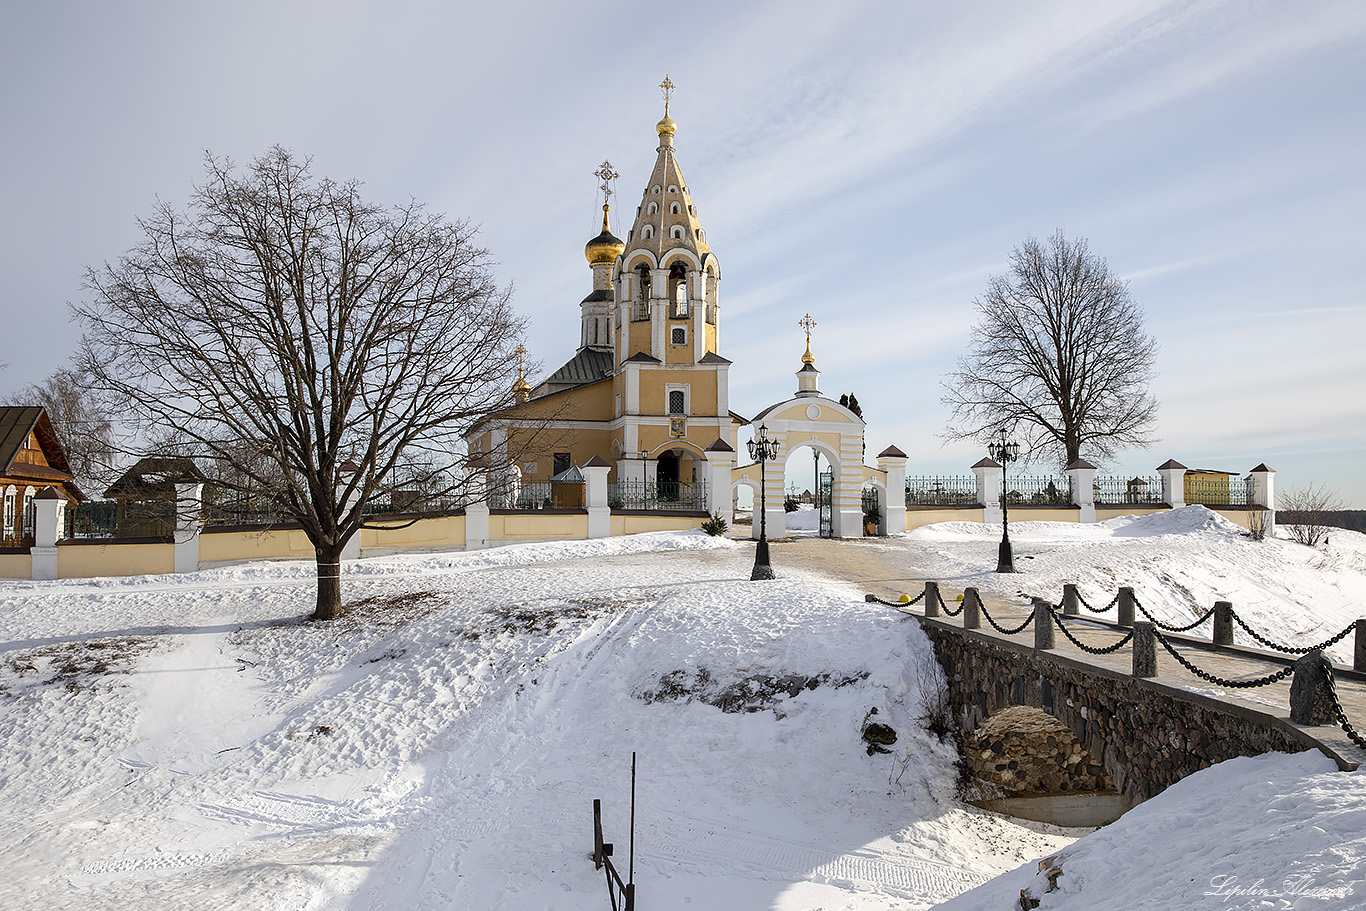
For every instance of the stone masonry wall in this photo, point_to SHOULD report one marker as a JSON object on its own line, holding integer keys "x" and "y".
{"x": 1147, "y": 738}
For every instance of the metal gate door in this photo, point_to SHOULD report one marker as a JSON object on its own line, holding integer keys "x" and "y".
{"x": 825, "y": 495}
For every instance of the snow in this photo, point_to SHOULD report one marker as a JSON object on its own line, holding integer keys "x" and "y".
{"x": 190, "y": 741}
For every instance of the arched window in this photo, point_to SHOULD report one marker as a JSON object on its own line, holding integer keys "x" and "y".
{"x": 647, "y": 232}
{"x": 676, "y": 232}
{"x": 678, "y": 291}
{"x": 642, "y": 305}
{"x": 675, "y": 209}
{"x": 652, "y": 208}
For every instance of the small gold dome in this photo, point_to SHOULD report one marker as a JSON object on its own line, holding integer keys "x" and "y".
{"x": 666, "y": 126}
{"x": 606, "y": 247}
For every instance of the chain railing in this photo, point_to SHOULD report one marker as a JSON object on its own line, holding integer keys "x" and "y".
{"x": 945, "y": 491}
{"x": 1114, "y": 490}
{"x": 1157, "y": 632}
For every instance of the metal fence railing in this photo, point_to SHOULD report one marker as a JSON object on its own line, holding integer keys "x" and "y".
{"x": 947, "y": 491}
{"x": 539, "y": 495}
{"x": 1116, "y": 490}
{"x": 120, "y": 519}
{"x": 1228, "y": 491}
{"x": 665, "y": 495}
{"x": 1027, "y": 490}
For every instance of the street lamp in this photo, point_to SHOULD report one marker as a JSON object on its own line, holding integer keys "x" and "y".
{"x": 761, "y": 449}
{"x": 1004, "y": 451}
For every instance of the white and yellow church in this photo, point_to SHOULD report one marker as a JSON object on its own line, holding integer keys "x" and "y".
{"x": 646, "y": 394}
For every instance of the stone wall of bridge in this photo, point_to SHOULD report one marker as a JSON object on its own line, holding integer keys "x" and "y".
{"x": 1147, "y": 735}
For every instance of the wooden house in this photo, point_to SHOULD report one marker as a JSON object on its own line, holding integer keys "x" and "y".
{"x": 31, "y": 460}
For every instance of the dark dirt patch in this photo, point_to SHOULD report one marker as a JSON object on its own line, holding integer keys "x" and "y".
{"x": 391, "y": 610}
{"x": 755, "y": 693}
{"x": 77, "y": 666}
{"x": 543, "y": 618}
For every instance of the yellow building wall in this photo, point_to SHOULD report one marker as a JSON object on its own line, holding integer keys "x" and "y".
{"x": 1105, "y": 513}
{"x": 711, "y": 337}
{"x": 638, "y": 336}
{"x": 16, "y": 566}
{"x": 635, "y": 525}
{"x": 268, "y": 544}
{"x": 701, "y": 385}
{"x": 919, "y": 518}
{"x": 83, "y": 561}
{"x": 1240, "y": 517}
{"x": 538, "y": 526}
{"x": 438, "y": 531}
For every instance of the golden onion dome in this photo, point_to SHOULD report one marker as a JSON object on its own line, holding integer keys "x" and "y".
{"x": 666, "y": 126}
{"x": 606, "y": 247}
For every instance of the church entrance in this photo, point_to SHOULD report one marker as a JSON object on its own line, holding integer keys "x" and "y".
{"x": 666, "y": 475}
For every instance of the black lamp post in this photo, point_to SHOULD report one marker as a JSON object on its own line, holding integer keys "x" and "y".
{"x": 761, "y": 449}
{"x": 1004, "y": 451}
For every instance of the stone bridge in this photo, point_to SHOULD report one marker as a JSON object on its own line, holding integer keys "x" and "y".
{"x": 1149, "y": 729}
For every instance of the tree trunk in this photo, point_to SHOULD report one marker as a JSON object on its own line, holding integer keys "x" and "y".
{"x": 329, "y": 582}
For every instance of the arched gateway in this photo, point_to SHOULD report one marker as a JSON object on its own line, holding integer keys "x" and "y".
{"x": 808, "y": 419}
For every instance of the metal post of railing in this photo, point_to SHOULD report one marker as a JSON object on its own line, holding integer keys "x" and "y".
{"x": 1070, "y": 603}
{"x": 1311, "y": 690}
{"x": 972, "y": 609}
{"x": 1359, "y": 654}
{"x": 1145, "y": 649}
{"x": 1126, "y": 606}
{"x": 1223, "y": 622}
{"x": 1043, "y": 624}
{"x": 932, "y": 601}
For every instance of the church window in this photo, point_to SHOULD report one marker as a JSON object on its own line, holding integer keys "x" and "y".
{"x": 673, "y": 189}
{"x": 700, "y": 235}
{"x": 691, "y": 209}
{"x": 679, "y": 337}
{"x": 562, "y": 463}
{"x": 675, "y": 209}
{"x": 652, "y": 208}
{"x": 642, "y": 304}
{"x": 655, "y": 190}
{"x": 676, "y": 232}
{"x": 647, "y": 232}
{"x": 677, "y": 404}
{"x": 678, "y": 291}
{"x": 711, "y": 313}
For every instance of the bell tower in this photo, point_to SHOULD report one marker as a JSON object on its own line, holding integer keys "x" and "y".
{"x": 666, "y": 295}
{"x": 602, "y": 252}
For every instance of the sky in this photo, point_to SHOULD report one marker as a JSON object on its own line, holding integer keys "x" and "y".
{"x": 871, "y": 164}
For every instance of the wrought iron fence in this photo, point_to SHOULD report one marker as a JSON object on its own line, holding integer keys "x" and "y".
{"x": 950, "y": 491}
{"x": 1114, "y": 490}
{"x": 120, "y": 519}
{"x": 658, "y": 495}
{"x": 871, "y": 500}
{"x": 1026, "y": 490}
{"x": 1220, "y": 491}
{"x": 539, "y": 495}
{"x": 22, "y": 534}
{"x": 241, "y": 510}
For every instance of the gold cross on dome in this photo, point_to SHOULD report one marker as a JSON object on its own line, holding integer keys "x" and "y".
{"x": 807, "y": 323}
{"x": 521, "y": 359}
{"x": 667, "y": 87}
{"x": 606, "y": 175}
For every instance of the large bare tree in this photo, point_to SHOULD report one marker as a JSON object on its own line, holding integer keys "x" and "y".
{"x": 1059, "y": 355}
{"x": 283, "y": 327}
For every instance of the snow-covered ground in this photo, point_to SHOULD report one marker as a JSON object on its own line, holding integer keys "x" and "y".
{"x": 190, "y": 742}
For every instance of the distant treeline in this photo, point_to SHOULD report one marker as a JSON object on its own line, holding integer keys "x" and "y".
{"x": 1354, "y": 519}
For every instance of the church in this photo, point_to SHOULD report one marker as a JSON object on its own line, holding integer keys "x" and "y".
{"x": 647, "y": 389}
{"x": 646, "y": 394}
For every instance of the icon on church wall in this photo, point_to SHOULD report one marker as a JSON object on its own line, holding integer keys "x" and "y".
{"x": 678, "y": 427}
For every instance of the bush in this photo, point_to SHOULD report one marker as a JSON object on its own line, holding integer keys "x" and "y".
{"x": 791, "y": 503}
{"x": 715, "y": 526}
{"x": 1307, "y": 511}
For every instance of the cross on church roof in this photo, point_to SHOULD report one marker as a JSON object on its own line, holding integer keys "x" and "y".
{"x": 606, "y": 175}
{"x": 807, "y": 323}
{"x": 667, "y": 88}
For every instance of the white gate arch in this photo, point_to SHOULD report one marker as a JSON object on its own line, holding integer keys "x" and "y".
{"x": 832, "y": 430}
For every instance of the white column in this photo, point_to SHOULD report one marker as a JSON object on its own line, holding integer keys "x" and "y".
{"x": 988, "y": 473}
{"x": 1083, "y": 475}
{"x": 352, "y": 549}
{"x": 47, "y": 526}
{"x": 595, "y": 473}
{"x": 1173, "y": 483}
{"x": 893, "y": 461}
{"x": 477, "y": 510}
{"x": 189, "y": 501}
{"x": 1264, "y": 495}
{"x": 720, "y": 465}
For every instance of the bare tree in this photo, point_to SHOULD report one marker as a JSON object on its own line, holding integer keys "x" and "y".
{"x": 283, "y": 327}
{"x": 1307, "y": 512}
{"x": 1059, "y": 355}
{"x": 82, "y": 425}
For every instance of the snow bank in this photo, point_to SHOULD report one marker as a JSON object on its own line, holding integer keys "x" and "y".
{"x": 1267, "y": 832}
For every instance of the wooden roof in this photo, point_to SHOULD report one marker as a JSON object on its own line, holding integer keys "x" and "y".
{"x": 16, "y": 423}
